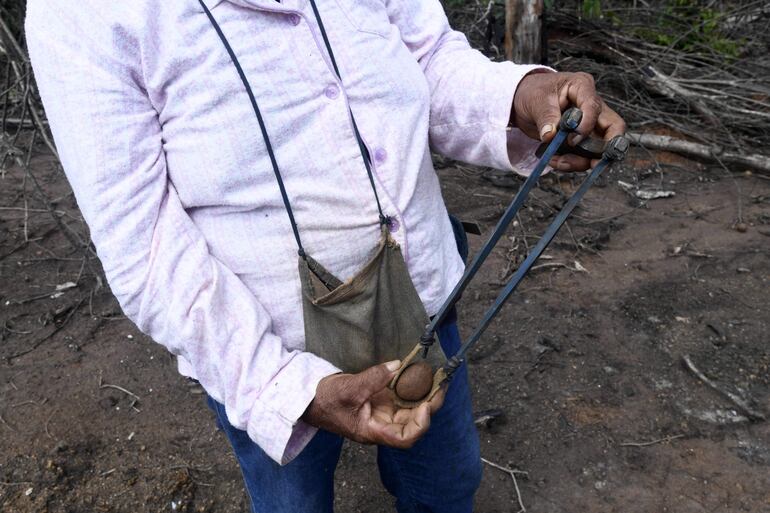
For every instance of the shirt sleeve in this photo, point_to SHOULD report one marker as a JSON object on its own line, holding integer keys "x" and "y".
{"x": 156, "y": 260}
{"x": 471, "y": 96}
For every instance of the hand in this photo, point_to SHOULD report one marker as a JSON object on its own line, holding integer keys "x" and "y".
{"x": 360, "y": 407}
{"x": 540, "y": 100}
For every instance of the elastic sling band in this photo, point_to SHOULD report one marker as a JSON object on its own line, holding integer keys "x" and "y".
{"x": 263, "y": 129}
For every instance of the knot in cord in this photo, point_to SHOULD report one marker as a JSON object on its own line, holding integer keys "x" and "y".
{"x": 452, "y": 365}
{"x": 426, "y": 340}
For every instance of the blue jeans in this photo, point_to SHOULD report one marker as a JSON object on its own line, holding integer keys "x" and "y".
{"x": 439, "y": 474}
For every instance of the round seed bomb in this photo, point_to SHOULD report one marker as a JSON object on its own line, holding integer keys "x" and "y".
{"x": 415, "y": 382}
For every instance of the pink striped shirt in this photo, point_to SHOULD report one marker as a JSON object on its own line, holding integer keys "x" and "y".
{"x": 165, "y": 156}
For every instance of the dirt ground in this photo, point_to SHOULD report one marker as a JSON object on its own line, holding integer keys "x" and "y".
{"x": 582, "y": 370}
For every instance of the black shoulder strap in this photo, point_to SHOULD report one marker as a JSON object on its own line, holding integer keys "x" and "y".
{"x": 361, "y": 145}
{"x": 263, "y": 129}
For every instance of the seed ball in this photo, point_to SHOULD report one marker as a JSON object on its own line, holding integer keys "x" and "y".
{"x": 741, "y": 227}
{"x": 415, "y": 382}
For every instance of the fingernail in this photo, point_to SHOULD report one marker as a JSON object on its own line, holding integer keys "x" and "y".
{"x": 393, "y": 366}
{"x": 547, "y": 129}
{"x": 577, "y": 138}
{"x": 563, "y": 166}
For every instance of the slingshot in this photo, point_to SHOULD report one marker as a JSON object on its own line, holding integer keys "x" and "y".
{"x": 414, "y": 368}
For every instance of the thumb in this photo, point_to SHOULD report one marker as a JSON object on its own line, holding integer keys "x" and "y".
{"x": 372, "y": 380}
{"x": 547, "y": 117}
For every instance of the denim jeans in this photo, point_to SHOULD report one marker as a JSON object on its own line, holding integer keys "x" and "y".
{"x": 439, "y": 474}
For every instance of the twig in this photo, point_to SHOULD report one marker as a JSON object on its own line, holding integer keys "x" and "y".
{"x": 11, "y": 330}
{"x": 742, "y": 404}
{"x": 651, "y": 442}
{"x": 15, "y": 483}
{"x": 39, "y": 296}
{"x": 29, "y": 401}
{"x": 135, "y": 397}
{"x": 549, "y": 265}
{"x": 512, "y": 473}
{"x": 53, "y": 332}
{"x": 6, "y": 423}
{"x": 116, "y": 387}
{"x": 48, "y": 433}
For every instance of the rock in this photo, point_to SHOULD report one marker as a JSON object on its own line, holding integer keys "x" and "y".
{"x": 415, "y": 382}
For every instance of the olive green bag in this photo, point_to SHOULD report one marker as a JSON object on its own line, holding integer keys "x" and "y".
{"x": 374, "y": 317}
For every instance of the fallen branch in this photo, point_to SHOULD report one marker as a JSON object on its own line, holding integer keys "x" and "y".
{"x": 693, "y": 149}
{"x": 664, "y": 85}
{"x": 741, "y": 403}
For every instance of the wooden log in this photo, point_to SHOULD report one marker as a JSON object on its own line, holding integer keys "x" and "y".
{"x": 713, "y": 153}
{"x": 523, "y": 31}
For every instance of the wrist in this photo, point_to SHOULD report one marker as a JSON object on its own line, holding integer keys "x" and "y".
{"x": 314, "y": 414}
{"x": 521, "y": 91}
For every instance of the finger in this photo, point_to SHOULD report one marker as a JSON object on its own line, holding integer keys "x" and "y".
{"x": 547, "y": 116}
{"x": 405, "y": 435}
{"x": 570, "y": 163}
{"x": 547, "y": 119}
{"x": 404, "y": 415}
{"x": 418, "y": 424}
{"x": 374, "y": 379}
{"x": 581, "y": 92}
{"x": 610, "y": 124}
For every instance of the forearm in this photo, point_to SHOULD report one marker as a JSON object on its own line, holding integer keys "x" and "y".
{"x": 471, "y": 97}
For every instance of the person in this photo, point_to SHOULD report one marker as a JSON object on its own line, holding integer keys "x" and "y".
{"x": 209, "y": 142}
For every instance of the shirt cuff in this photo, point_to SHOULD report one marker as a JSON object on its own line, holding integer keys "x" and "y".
{"x": 511, "y": 149}
{"x": 274, "y": 423}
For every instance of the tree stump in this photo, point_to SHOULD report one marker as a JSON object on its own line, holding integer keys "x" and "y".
{"x": 524, "y": 31}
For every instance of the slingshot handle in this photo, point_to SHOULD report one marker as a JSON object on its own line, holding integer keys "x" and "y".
{"x": 590, "y": 147}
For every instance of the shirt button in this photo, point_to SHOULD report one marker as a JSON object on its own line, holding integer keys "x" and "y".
{"x": 294, "y": 19}
{"x": 394, "y": 225}
{"x": 380, "y": 155}
{"x": 332, "y": 91}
